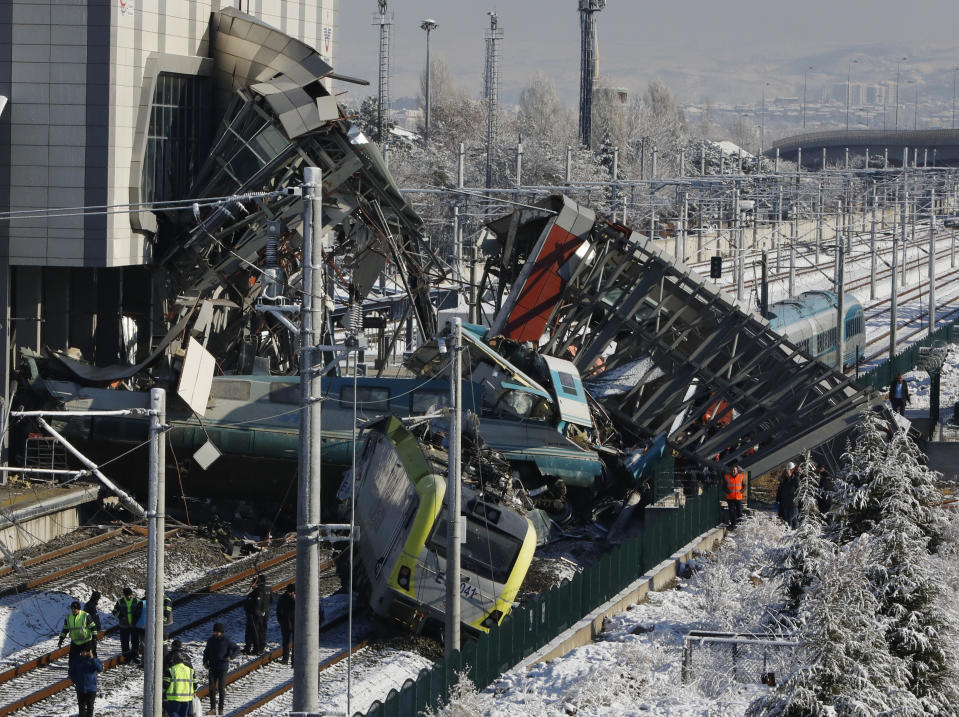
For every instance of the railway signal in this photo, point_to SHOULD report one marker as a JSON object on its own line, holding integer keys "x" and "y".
{"x": 715, "y": 267}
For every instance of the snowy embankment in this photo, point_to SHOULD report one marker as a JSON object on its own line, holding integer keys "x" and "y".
{"x": 859, "y": 605}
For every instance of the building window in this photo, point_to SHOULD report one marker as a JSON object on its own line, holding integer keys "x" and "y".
{"x": 178, "y": 136}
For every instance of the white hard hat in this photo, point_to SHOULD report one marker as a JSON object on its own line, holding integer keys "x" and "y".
{"x": 790, "y": 466}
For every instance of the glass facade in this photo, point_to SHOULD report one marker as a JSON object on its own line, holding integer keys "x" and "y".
{"x": 178, "y": 137}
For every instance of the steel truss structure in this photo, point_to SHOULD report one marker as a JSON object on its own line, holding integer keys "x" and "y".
{"x": 686, "y": 346}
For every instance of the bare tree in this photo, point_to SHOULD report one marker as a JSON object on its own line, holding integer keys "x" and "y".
{"x": 540, "y": 114}
{"x": 745, "y": 133}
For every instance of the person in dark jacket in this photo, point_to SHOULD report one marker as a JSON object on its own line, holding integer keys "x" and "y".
{"x": 826, "y": 488}
{"x": 83, "y": 672}
{"x": 899, "y": 395}
{"x": 92, "y": 610}
{"x": 127, "y": 612}
{"x": 285, "y": 611}
{"x": 257, "y": 609}
{"x": 787, "y": 508}
{"x": 217, "y": 654}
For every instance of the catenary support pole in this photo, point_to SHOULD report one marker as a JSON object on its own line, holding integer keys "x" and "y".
{"x": 738, "y": 232}
{"x": 778, "y": 236}
{"x": 894, "y": 290}
{"x": 932, "y": 261}
{"x": 125, "y": 498}
{"x": 819, "y": 220}
{"x": 156, "y": 507}
{"x": 684, "y": 226}
{"x": 840, "y": 299}
{"x": 793, "y": 236}
{"x": 454, "y": 499}
{"x": 306, "y": 613}
{"x": 872, "y": 247}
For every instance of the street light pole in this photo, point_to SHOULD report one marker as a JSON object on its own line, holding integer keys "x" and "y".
{"x": 898, "y": 67}
{"x": 762, "y": 126}
{"x": 954, "y": 70}
{"x": 429, "y": 25}
{"x": 915, "y": 106}
{"x": 848, "y": 73}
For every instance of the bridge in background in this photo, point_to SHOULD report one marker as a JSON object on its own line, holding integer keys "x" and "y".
{"x": 927, "y": 147}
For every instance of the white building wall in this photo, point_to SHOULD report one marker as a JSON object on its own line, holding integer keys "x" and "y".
{"x": 72, "y": 126}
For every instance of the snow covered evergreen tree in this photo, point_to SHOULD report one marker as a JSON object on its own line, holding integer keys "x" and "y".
{"x": 848, "y": 670}
{"x": 910, "y": 590}
{"x": 873, "y": 464}
{"x": 806, "y": 549}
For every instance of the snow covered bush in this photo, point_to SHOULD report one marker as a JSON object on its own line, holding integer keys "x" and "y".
{"x": 738, "y": 589}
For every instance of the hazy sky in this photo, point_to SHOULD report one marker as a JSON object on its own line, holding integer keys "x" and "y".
{"x": 722, "y": 49}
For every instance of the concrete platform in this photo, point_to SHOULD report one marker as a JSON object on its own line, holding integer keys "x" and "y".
{"x": 38, "y": 512}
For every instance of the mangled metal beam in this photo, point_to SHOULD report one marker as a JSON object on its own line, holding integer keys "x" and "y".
{"x": 624, "y": 305}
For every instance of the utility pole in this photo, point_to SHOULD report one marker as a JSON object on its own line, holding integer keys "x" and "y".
{"x": 306, "y": 658}
{"x": 932, "y": 260}
{"x": 156, "y": 513}
{"x": 454, "y": 500}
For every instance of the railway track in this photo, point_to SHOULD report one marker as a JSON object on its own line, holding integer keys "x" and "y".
{"x": 71, "y": 561}
{"x": 18, "y": 685}
{"x": 903, "y": 339}
{"x": 285, "y": 685}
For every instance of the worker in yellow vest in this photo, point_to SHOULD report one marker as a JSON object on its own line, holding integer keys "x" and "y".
{"x": 179, "y": 685}
{"x": 81, "y": 629}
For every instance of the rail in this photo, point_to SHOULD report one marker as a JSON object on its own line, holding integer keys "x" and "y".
{"x": 61, "y": 685}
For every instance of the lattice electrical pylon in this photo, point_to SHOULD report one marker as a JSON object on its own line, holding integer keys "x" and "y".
{"x": 491, "y": 91}
{"x": 384, "y": 19}
{"x": 589, "y": 62}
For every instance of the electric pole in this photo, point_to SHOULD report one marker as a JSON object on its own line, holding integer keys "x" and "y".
{"x": 454, "y": 499}
{"x": 306, "y": 657}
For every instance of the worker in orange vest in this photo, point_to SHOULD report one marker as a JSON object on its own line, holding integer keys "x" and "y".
{"x": 735, "y": 480}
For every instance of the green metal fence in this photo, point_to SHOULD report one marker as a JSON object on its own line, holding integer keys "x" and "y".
{"x": 906, "y": 360}
{"x": 530, "y": 627}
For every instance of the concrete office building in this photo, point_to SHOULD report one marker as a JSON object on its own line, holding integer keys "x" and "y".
{"x": 116, "y": 102}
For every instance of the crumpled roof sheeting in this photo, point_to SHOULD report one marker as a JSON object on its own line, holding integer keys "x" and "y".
{"x": 249, "y": 53}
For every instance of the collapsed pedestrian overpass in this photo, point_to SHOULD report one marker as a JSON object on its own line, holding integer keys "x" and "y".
{"x": 670, "y": 355}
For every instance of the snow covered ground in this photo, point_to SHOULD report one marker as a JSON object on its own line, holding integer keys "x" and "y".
{"x": 635, "y": 667}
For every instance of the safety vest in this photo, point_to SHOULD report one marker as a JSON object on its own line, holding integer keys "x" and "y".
{"x": 80, "y": 627}
{"x": 734, "y": 485}
{"x": 129, "y": 604}
{"x": 180, "y": 687}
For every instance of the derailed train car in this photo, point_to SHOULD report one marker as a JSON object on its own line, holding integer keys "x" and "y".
{"x": 400, "y": 565}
